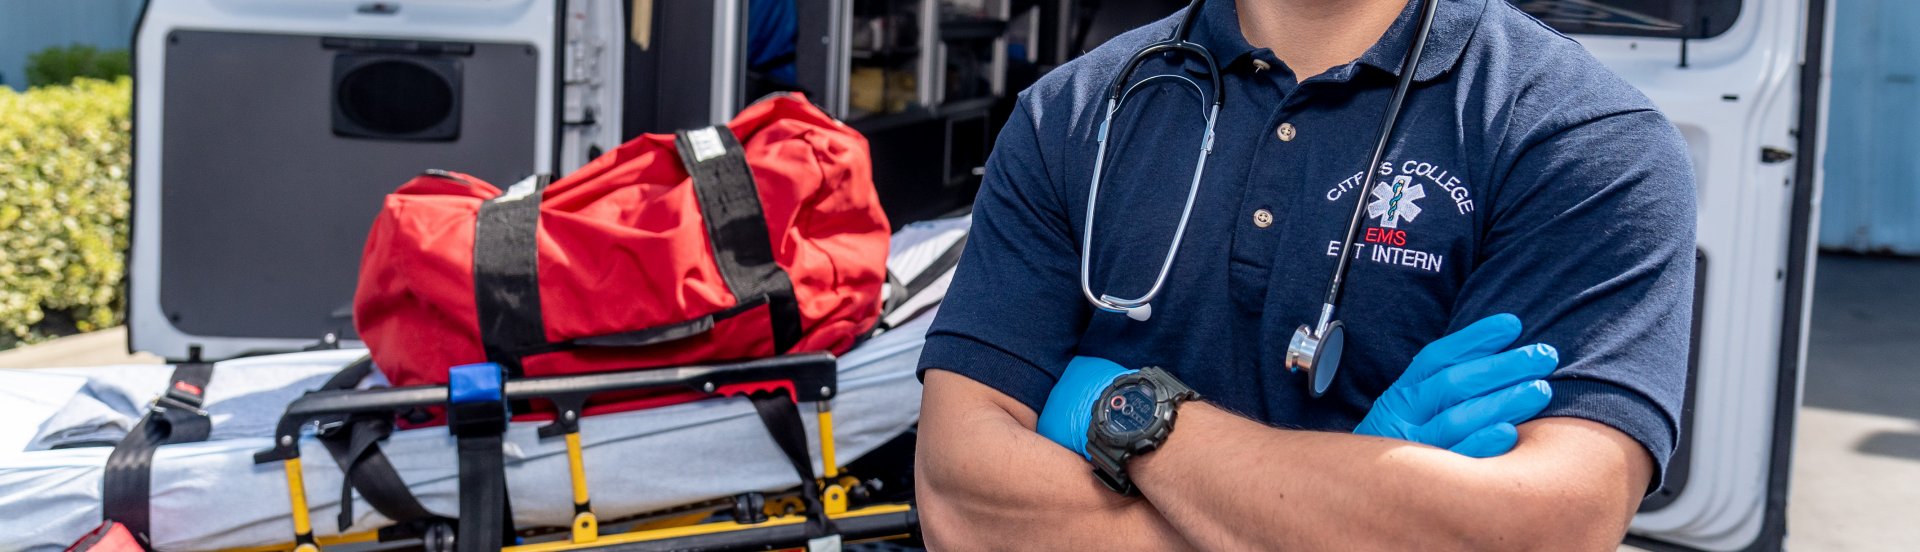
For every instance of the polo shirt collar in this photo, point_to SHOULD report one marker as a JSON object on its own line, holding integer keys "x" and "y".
{"x": 1453, "y": 25}
{"x": 1218, "y": 29}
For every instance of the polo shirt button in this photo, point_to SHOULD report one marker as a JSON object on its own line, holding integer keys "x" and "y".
{"x": 1287, "y": 132}
{"x": 1262, "y": 218}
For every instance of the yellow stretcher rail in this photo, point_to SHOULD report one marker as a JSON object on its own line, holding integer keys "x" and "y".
{"x": 319, "y": 541}
{"x": 702, "y": 529}
{"x": 322, "y": 542}
{"x": 586, "y": 527}
{"x": 827, "y": 461}
{"x": 302, "y": 522}
{"x": 622, "y": 538}
{"x": 584, "y": 531}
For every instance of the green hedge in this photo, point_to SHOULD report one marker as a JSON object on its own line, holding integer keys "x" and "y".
{"x": 60, "y": 65}
{"x": 64, "y": 159}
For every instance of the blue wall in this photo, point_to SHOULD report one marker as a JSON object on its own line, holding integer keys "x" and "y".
{"x": 1873, "y": 148}
{"x": 28, "y": 26}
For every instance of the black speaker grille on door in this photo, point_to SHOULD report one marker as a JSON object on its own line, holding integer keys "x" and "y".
{"x": 396, "y": 97}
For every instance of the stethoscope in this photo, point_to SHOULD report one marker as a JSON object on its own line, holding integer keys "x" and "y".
{"x": 1315, "y": 349}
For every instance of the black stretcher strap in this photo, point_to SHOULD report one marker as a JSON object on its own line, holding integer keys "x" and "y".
{"x": 782, "y": 418}
{"x": 896, "y": 297}
{"x": 354, "y": 443}
{"x": 485, "y": 514}
{"x": 356, "y": 449}
{"x": 940, "y": 266}
{"x": 903, "y": 291}
{"x": 176, "y": 417}
{"x": 737, "y": 227}
{"x": 506, "y": 276}
{"x": 351, "y": 376}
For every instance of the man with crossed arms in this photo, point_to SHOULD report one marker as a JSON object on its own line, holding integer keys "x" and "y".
{"x": 1516, "y": 339}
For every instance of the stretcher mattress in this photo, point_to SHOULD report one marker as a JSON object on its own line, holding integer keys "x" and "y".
{"x": 210, "y": 495}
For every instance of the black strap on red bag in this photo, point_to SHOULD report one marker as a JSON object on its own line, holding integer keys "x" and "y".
{"x": 506, "y": 274}
{"x": 175, "y": 417}
{"x": 737, "y": 227}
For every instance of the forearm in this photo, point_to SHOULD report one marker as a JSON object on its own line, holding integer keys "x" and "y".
{"x": 1229, "y": 483}
{"x": 986, "y": 481}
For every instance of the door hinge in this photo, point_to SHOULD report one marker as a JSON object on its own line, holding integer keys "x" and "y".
{"x": 1771, "y": 155}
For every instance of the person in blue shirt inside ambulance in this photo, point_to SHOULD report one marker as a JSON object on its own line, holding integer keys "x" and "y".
{"x": 1516, "y": 312}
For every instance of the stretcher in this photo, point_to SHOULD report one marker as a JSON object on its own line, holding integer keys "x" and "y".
{"x": 702, "y": 475}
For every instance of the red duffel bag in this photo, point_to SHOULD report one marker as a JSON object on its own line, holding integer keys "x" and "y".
{"x": 759, "y": 238}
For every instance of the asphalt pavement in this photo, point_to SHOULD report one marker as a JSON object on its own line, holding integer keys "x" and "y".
{"x": 1856, "y": 464}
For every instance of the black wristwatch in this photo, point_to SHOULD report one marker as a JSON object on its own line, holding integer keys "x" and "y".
{"x": 1134, "y": 415}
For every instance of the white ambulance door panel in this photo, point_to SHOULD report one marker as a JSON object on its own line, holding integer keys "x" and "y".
{"x": 266, "y": 134}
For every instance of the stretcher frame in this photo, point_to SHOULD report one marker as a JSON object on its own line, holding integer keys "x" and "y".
{"x": 810, "y": 377}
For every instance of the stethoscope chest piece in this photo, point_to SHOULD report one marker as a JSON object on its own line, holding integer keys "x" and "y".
{"x": 1318, "y": 355}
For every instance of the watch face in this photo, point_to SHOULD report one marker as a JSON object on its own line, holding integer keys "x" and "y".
{"x": 1129, "y": 409}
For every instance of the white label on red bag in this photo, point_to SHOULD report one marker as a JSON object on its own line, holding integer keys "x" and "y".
{"x": 706, "y": 143}
{"x": 519, "y": 190}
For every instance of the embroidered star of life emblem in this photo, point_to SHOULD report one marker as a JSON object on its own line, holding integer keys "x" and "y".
{"x": 1394, "y": 202}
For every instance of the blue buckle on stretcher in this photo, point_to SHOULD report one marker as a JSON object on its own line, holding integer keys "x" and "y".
{"x": 474, "y": 382}
{"x": 476, "y": 404}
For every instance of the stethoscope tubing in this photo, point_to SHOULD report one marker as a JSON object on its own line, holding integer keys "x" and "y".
{"x": 1410, "y": 67}
{"x": 1139, "y": 308}
{"x": 1124, "y": 305}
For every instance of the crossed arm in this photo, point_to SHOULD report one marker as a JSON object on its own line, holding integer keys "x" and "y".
{"x": 986, "y": 480}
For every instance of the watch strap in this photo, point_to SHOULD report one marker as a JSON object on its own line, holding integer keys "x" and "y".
{"x": 1112, "y": 472}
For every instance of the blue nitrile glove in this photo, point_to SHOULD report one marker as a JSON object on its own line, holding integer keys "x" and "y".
{"x": 1458, "y": 394}
{"x": 1068, "y": 413}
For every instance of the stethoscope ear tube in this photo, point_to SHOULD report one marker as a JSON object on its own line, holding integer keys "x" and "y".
{"x": 1119, "y": 84}
{"x": 1140, "y": 308}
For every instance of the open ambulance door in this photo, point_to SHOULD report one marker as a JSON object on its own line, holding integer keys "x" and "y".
{"x": 1744, "y": 80}
{"x": 268, "y": 132}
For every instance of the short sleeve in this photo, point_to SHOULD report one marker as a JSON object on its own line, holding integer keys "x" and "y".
{"x": 1591, "y": 243}
{"x": 1013, "y": 316}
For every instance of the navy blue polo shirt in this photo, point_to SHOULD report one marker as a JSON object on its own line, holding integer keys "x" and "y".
{"x": 1524, "y": 178}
